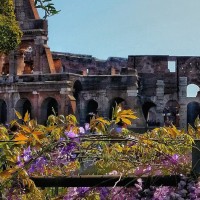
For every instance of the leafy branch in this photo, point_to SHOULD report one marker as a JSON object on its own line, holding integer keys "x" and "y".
{"x": 47, "y": 6}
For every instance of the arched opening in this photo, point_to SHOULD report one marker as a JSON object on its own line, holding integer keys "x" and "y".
{"x": 149, "y": 112}
{"x": 145, "y": 108}
{"x": 193, "y": 111}
{"x": 92, "y": 109}
{"x": 3, "y": 112}
{"x": 49, "y": 105}
{"x": 192, "y": 90}
{"x": 115, "y": 102}
{"x": 22, "y": 106}
{"x": 77, "y": 88}
{"x": 171, "y": 113}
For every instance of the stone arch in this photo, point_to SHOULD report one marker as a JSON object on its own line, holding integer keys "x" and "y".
{"x": 149, "y": 112}
{"x": 192, "y": 90}
{"x": 171, "y": 113}
{"x": 193, "y": 111}
{"x": 47, "y": 107}
{"x": 3, "y": 112}
{"x": 117, "y": 100}
{"x": 145, "y": 108}
{"x": 23, "y": 105}
{"x": 91, "y": 110}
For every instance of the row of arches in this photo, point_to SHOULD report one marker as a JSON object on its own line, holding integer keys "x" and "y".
{"x": 23, "y": 105}
{"x": 170, "y": 113}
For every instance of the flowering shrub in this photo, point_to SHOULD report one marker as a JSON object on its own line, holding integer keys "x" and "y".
{"x": 62, "y": 148}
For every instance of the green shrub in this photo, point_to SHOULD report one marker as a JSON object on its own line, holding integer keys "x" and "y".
{"x": 10, "y": 33}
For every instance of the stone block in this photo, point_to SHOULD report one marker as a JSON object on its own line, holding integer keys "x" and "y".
{"x": 132, "y": 93}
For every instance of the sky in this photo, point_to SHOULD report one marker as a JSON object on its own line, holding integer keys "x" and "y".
{"x": 118, "y": 28}
{"x": 105, "y": 28}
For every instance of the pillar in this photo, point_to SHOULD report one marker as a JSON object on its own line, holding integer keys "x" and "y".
{"x": 35, "y": 110}
{"x": 20, "y": 63}
{"x": 12, "y": 66}
{"x": 2, "y": 57}
{"x": 183, "y": 107}
{"x": 38, "y": 52}
{"x": 182, "y": 87}
{"x": 160, "y": 97}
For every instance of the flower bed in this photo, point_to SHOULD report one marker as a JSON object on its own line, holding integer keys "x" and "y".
{"x": 104, "y": 153}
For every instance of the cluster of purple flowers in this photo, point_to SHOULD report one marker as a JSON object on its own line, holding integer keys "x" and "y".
{"x": 187, "y": 189}
{"x": 24, "y": 157}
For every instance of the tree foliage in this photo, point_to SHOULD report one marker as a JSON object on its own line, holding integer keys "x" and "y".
{"x": 10, "y": 33}
{"x": 47, "y": 6}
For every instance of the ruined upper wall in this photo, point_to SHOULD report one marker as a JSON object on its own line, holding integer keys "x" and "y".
{"x": 189, "y": 66}
{"x": 149, "y": 64}
{"x": 25, "y": 10}
{"x": 28, "y": 17}
{"x": 77, "y": 63}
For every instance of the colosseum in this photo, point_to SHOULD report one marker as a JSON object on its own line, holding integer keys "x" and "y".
{"x": 35, "y": 79}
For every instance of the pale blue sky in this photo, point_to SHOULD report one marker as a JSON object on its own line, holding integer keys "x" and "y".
{"x": 104, "y": 28}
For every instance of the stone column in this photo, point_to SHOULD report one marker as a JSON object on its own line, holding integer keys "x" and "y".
{"x": 2, "y": 57}
{"x": 66, "y": 97}
{"x": 182, "y": 87}
{"x": 12, "y": 66}
{"x": 183, "y": 107}
{"x": 38, "y": 51}
{"x": 82, "y": 114}
{"x": 20, "y": 63}
{"x": 35, "y": 109}
{"x": 160, "y": 97}
{"x": 183, "y": 116}
{"x": 103, "y": 105}
{"x": 12, "y": 97}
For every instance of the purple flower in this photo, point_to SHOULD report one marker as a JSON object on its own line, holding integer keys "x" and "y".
{"x": 87, "y": 126}
{"x": 27, "y": 154}
{"x": 142, "y": 170}
{"x": 104, "y": 191}
{"x": 82, "y": 130}
{"x": 19, "y": 161}
{"x": 38, "y": 165}
{"x": 82, "y": 191}
{"x": 174, "y": 159}
{"x": 71, "y": 134}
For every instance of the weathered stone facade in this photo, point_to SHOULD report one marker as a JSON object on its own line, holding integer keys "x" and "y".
{"x": 35, "y": 79}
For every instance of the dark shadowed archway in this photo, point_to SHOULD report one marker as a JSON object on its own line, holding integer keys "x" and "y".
{"x": 48, "y": 107}
{"x": 77, "y": 88}
{"x": 193, "y": 111}
{"x": 3, "y": 112}
{"x": 92, "y": 109}
{"x": 145, "y": 108}
{"x": 23, "y": 105}
{"x": 171, "y": 113}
